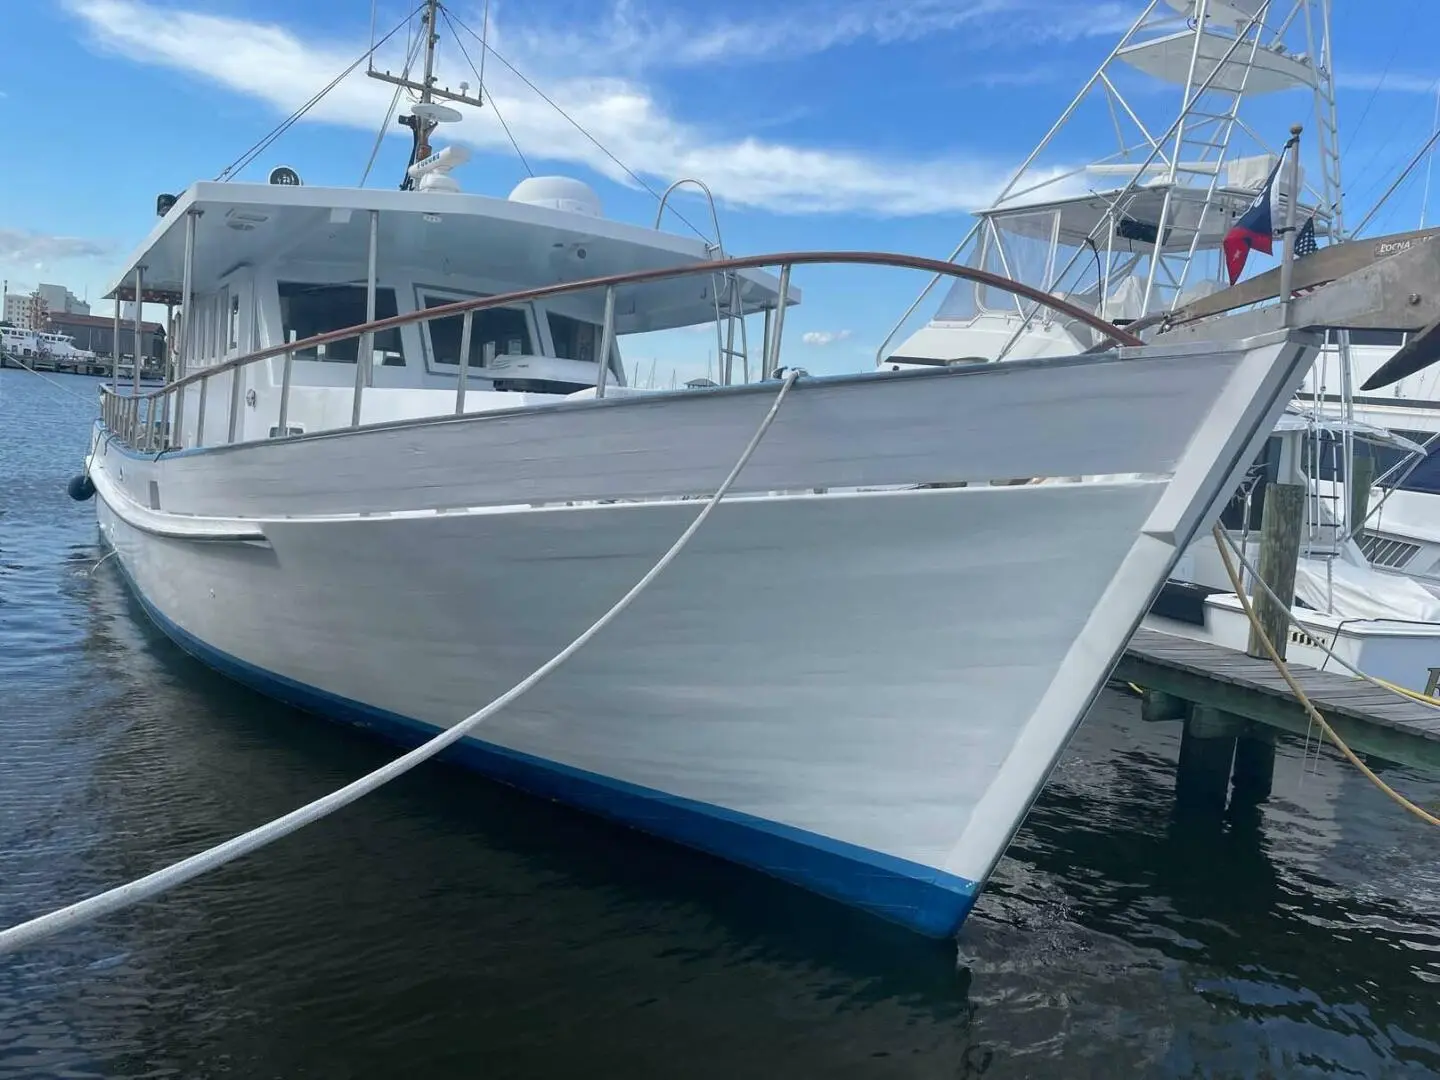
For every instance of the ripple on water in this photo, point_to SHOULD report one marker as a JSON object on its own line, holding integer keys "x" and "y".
{"x": 447, "y": 927}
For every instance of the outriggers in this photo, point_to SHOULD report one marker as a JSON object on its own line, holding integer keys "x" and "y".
{"x": 400, "y": 466}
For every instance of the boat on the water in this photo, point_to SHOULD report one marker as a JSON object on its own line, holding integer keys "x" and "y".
{"x": 398, "y": 467}
{"x": 1143, "y": 240}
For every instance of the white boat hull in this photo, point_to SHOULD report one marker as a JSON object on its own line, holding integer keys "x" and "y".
{"x": 859, "y": 692}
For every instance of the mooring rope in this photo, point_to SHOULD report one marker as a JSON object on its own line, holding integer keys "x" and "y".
{"x": 1383, "y": 684}
{"x": 153, "y": 884}
{"x": 1284, "y": 669}
{"x": 43, "y": 377}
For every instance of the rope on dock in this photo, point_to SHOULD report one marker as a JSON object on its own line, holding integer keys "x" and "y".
{"x": 153, "y": 884}
{"x": 1383, "y": 684}
{"x": 1222, "y": 542}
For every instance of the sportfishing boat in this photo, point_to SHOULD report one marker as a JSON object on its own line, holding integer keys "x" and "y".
{"x": 399, "y": 467}
{"x": 41, "y": 344}
{"x": 1156, "y": 236}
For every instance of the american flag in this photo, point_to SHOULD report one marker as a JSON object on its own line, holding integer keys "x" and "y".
{"x": 1305, "y": 238}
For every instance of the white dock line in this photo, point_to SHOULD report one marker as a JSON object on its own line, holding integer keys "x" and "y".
{"x": 153, "y": 884}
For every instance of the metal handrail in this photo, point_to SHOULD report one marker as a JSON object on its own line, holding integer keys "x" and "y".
{"x": 130, "y": 413}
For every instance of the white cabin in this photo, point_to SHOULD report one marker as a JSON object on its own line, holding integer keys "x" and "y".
{"x": 274, "y": 263}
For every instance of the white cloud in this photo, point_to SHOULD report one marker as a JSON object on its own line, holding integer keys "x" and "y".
{"x": 1025, "y": 76}
{"x": 824, "y": 337}
{"x": 631, "y": 35}
{"x": 1397, "y": 82}
{"x": 269, "y": 63}
{"x": 38, "y": 249}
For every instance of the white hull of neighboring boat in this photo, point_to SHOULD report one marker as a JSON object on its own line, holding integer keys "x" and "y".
{"x": 1381, "y": 624}
{"x": 860, "y": 691}
{"x": 1392, "y": 649}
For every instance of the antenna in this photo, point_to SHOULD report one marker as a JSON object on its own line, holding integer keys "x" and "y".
{"x": 426, "y": 114}
{"x": 426, "y": 88}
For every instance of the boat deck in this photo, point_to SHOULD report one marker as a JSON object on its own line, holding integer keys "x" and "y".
{"x": 1372, "y": 720}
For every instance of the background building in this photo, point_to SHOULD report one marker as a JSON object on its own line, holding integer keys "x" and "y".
{"x": 27, "y": 311}
{"x": 96, "y": 333}
{"x": 61, "y": 300}
{"x": 30, "y": 311}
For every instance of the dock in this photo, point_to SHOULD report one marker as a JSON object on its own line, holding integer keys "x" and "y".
{"x": 1180, "y": 675}
{"x": 98, "y": 366}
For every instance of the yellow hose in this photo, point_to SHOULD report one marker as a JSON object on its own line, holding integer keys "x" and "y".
{"x": 1300, "y": 694}
{"x": 1405, "y": 691}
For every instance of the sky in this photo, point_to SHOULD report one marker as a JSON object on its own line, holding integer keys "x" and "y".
{"x": 819, "y": 124}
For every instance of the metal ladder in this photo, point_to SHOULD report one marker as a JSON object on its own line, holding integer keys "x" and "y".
{"x": 725, "y": 291}
{"x": 1208, "y": 118}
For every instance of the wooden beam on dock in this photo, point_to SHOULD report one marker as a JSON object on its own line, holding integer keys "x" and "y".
{"x": 1372, "y": 720}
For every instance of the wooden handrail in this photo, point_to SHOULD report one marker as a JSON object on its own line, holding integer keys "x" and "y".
{"x": 641, "y": 277}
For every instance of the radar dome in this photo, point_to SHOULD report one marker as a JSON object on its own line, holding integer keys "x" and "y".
{"x": 558, "y": 193}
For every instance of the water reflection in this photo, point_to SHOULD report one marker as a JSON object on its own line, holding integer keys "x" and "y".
{"x": 449, "y": 927}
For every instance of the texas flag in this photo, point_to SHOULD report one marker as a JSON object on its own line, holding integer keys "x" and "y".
{"x": 1252, "y": 230}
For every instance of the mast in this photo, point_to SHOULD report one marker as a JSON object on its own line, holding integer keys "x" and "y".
{"x": 424, "y": 121}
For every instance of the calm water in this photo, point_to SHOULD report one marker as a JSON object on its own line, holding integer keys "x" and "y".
{"x": 448, "y": 928}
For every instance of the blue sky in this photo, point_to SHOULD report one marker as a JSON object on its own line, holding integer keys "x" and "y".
{"x": 834, "y": 124}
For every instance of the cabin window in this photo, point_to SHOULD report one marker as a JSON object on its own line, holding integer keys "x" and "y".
{"x": 574, "y": 339}
{"x": 307, "y": 310}
{"x": 234, "y": 331}
{"x": 507, "y": 328}
{"x": 1393, "y": 466}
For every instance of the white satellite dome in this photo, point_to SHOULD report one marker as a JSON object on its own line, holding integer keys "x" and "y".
{"x": 558, "y": 193}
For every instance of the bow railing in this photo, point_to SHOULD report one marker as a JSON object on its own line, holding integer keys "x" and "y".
{"x": 152, "y": 421}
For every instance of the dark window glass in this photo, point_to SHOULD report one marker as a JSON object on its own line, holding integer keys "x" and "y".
{"x": 307, "y": 310}
{"x": 1424, "y": 476}
{"x": 574, "y": 339}
{"x": 505, "y": 328}
{"x": 1377, "y": 337}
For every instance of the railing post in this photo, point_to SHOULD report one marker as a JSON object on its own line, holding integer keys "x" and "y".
{"x": 607, "y": 341}
{"x": 115, "y": 343}
{"x": 139, "y": 320}
{"x": 773, "y": 362}
{"x": 732, "y": 288}
{"x": 765, "y": 344}
{"x": 200, "y": 416}
{"x": 167, "y": 376}
{"x": 234, "y": 401}
{"x": 366, "y": 359}
{"x": 180, "y": 342}
{"x": 460, "y": 379}
{"x": 281, "y": 428}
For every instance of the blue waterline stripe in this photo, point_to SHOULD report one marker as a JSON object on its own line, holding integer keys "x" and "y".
{"x": 921, "y": 898}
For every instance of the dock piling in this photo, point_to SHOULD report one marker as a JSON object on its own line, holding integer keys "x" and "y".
{"x": 1207, "y": 748}
{"x": 1253, "y": 777}
{"x": 1280, "y": 528}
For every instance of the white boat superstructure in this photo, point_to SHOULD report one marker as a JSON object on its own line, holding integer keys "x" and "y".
{"x": 1400, "y": 533}
{"x": 1139, "y": 230}
{"x": 399, "y": 467}
{"x": 1145, "y": 237}
{"x": 23, "y": 343}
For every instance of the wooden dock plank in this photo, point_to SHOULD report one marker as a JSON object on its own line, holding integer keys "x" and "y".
{"x": 1370, "y": 718}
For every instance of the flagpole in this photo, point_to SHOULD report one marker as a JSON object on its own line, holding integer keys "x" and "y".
{"x": 1287, "y": 256}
